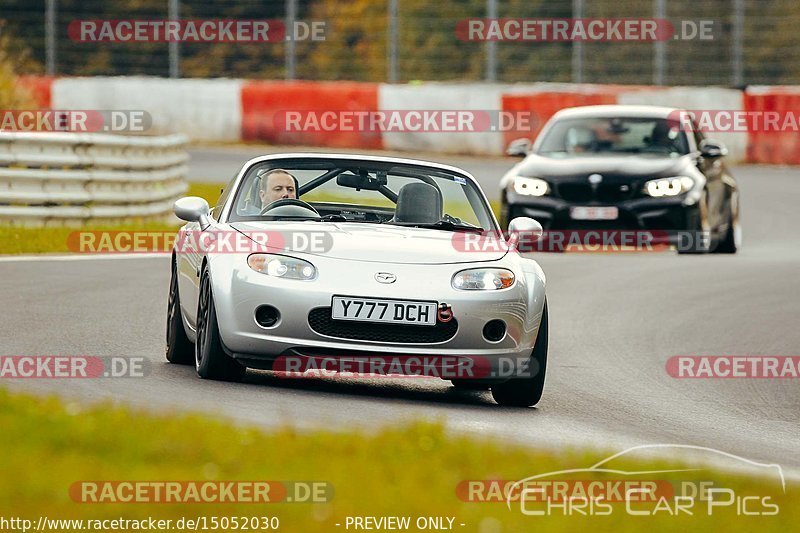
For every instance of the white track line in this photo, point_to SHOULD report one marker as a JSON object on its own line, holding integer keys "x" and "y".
{"x": 79, "y": 257}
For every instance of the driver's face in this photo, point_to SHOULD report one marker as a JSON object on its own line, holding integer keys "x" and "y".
{"x": 278, "y": 186}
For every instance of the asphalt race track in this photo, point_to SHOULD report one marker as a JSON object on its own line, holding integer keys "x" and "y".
{"x": 615, "y": 320}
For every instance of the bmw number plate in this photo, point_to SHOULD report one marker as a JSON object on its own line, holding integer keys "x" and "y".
{"x": 594, "y": 213}
{"x": 387, "y": 311}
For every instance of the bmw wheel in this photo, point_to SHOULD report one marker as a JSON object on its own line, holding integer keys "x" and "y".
{"x": 733, "y": 236}
{"x": 699, "y": 230}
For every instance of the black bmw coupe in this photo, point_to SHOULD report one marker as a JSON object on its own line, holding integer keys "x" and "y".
{"x": 618, "y": 167}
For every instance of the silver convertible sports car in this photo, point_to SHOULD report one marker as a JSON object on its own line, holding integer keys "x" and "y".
{"x": 350, "y": 258}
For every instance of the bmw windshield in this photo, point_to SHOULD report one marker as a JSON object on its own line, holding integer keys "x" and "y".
{"x": 614, "y": 135}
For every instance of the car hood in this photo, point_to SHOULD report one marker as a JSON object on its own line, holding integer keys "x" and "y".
{"x": 622, "y": 166}
{"x": 383, "y": 243}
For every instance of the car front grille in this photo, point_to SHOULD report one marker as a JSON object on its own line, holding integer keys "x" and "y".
{"x": 605, "y": 192}
{"x": 612, "y": 193}
{"x": 575, "y": 192}
{"x": 321, "y": 322}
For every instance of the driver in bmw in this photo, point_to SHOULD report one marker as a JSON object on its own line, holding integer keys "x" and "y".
{"x": 276, "y": 184}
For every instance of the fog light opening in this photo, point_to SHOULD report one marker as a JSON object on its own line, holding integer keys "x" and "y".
{"x": 494, "y": 330}
{"x": 267, "y": 316}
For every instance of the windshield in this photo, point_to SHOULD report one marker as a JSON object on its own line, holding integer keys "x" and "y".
{"x": 614, "y": 135}
{"x": 360, "y": 191}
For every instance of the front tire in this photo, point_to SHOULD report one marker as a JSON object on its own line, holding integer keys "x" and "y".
{"x": 730, "y": 243}
{"x": 179, "y": 349}
{"x": 211, "y": 361}
{"x": 700, "y": 230}
{"x": 507, "y": 213}
{"x": 527, "y": 391}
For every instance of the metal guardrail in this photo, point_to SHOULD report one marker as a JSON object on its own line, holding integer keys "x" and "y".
{"x": 67, "y": 178}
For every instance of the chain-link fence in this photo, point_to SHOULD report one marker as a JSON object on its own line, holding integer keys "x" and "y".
{"x": 752, "y": 41}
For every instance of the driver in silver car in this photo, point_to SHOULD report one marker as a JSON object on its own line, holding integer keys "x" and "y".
{"x": 276, "y": 184}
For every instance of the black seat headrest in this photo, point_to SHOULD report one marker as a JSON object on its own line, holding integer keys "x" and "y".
{"x": 418, "y": 203}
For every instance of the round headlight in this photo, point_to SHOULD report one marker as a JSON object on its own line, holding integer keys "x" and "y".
{"x": 483, "y": 279}
{"x": 668, "y": 186}
{"x": 530, "y": 186}
{"x": 281, "y": 266}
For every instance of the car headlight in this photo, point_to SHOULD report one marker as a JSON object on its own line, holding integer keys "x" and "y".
{"x": 281, "y": 266}
{"x": 530, "y": 186}
{"x": 668, "y": 186}
{"x": 483, "y": 279}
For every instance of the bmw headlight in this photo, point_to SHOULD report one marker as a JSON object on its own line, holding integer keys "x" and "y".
{"x": 483, "y": 279}
{"x": 281, "y": 266}
{"x": 530, "y": 186}
{"x": 668, "y": 186}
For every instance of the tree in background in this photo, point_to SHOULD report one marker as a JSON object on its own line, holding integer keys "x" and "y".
{"x": 12, "y": 94}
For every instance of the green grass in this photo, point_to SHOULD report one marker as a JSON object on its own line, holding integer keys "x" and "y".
{"x": 30, "y": 240}
{"x": 410, "y": 470}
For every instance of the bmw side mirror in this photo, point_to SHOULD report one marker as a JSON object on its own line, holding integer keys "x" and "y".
{"x": 519, "y": 147}
{"x": 524, "y": 228}
{"x": 713, "y": 149}
{"x": 191, "y": 208}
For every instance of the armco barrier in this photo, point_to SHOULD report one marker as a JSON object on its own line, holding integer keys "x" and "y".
{"x": 67, "y": 178}
{"x": 265, "y": 104}
{"x": 774, "y": 147}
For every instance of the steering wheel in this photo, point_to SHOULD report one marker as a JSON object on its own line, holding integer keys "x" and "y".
{"x": 289, "y": 201}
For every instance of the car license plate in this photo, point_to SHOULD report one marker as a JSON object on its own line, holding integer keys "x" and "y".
{"x": 387, "y": 311}
{"x": 594, "y": 213}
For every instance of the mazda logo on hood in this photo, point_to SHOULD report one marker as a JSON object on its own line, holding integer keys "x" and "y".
{"x": 385, "y": 277}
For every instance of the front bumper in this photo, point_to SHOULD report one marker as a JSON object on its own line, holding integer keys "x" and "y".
{"x": 239, "y": 291}
{"x": 645, "y": 214}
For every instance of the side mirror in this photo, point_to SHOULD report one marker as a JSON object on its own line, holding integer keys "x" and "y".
{"x": 712, "y": 149}
{"x": 525, "y": 227}
{"x": 191, "y": 208}
{"x": 519, "y": 147}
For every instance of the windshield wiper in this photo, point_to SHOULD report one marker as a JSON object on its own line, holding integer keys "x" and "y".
{"x": 444, "y": 225}
{"x": 342, "y": 218}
